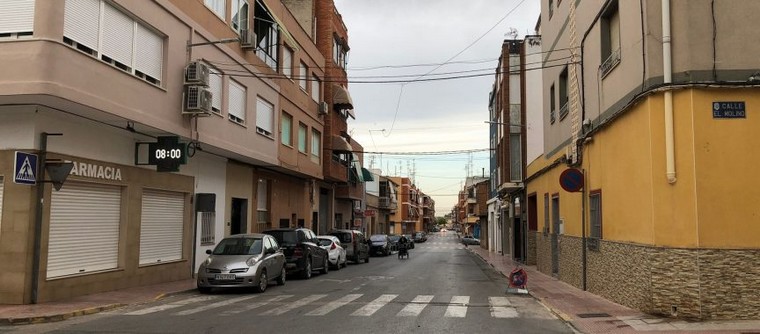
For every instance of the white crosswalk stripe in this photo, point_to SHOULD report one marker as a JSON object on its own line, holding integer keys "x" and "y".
{"x": 332, "y": 306}
{"x": 253, "y": 306}
{"x": 171, "y": 305}
{"x": 414, "y": 308}
{"x": 214, "y": 305}
{"x": 501, "y": 308}
{"x": 373, "y": 306}
{"x": 294, "y": 305}
{"x": 458, "y": 307}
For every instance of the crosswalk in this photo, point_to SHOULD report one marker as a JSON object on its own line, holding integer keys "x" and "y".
{"x": 356, "y": 305}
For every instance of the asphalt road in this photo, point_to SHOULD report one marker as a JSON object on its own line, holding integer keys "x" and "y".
{"x": 441, "y": 288}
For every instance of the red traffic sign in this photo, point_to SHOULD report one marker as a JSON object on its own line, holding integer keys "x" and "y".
{"x": 571, "y": 180}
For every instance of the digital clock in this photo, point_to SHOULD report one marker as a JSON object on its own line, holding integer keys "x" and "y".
{"x": 162, "y": 153}
{"x": 167, "y": 154}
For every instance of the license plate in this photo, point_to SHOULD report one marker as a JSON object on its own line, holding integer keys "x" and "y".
{"x": 224, "y": 277}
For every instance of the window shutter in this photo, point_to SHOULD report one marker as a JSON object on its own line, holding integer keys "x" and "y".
{"x": 149, "y": 52}
{"x": 287, "y": 62}
{"x": 118, "y": 35}
{"x": 215, "y": 84}
{"x": 302, "y": 138}
{"x": 81, "y": 22}
{"x": 16, "y": 16}
{"x": 237, "y": 100}
{"x": 264, "y": 115}
{"x": 161, "y": 226}
{"x": 287, "y": 125}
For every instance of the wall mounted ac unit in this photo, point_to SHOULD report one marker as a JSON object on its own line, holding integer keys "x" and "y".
{"x": 247, "y": 39}
{"x": 323, "y": 108}
{"x": 196, "y": 100}
{"x": 196, "y": 73}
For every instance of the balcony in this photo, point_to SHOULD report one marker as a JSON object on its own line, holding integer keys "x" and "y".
{"x": 387, "y": 203}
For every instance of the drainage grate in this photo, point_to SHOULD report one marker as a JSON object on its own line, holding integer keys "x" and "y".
{"x": 593, "y": 315}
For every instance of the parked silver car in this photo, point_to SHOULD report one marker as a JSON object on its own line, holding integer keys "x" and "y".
{"x": 335, "y": 251}
{"x": 242, "y": 260}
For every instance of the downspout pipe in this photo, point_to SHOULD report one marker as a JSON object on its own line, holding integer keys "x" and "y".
{"x": 667, "y": 64}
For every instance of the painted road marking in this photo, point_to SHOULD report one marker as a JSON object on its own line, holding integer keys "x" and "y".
{"x": 294, "y": 305}
{"x": 458, "y": 307}
{"x": 253, "y": 306}
{"x": 501, "y": 308}
{"x": 214, "y": 305}
{"x": 414, "y": 308}
{"x": 374, "y": 305}
{"x": 171, "y": 305}
{"x": 332, "y": 306}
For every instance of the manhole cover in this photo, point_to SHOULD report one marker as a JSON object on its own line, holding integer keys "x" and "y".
{"x": 593, "y": 315}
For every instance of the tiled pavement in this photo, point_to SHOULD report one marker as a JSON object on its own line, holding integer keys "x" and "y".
{"x": 566, "y": 301}
{"x": 575, "y": 306}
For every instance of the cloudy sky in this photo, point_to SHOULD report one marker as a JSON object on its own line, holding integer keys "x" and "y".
{"x": 455, "y": 44}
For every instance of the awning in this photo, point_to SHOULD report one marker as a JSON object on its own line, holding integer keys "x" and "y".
{"x": 341, "y": 98}
{"x": 367, "y": 175}
{"x": 340, "y": 144}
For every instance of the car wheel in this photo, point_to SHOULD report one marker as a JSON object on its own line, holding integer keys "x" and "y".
{"x": 263, "y": 282}
{"x": 345, "y": 262}
{"x": 338, "y": 265}
{"x": 325, "y": 267}
{"x": 204, "y": 290}
{"x": 307, "y": 270}
{"x": 281, "y": 279}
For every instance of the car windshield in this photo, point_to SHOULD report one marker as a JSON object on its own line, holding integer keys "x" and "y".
{"x": 325, "y": 242}
{"x": 343, "y": 237}
{"x": 394, "y": 238}
{"x": 377, "y": 237}
{"x": 285, "y": 237}
{"x": 238, "y": 246}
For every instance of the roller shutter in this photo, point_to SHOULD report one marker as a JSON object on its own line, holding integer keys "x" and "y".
{"x": 84, "y": 229}
{"x": 16, "y": 16}
{"x": 161, "y": 227}
{"x": 81, "y": 22}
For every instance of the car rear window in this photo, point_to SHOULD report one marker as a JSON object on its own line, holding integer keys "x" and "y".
{"x": 285, "y": 237}
{"x": 343, "y": 237}
{"x": 325, "y": 242}
{"x": 394, "y": 238}
{"x": 238, "y": 246}
{"x": 377, "y": 237}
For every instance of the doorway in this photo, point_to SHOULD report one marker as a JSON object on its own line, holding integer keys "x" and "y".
{"x": 239, "y": 216}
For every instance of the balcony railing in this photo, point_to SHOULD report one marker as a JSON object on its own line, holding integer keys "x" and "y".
{"x": 612, "y": 60}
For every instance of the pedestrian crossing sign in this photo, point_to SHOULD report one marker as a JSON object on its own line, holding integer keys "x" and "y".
{"x": 25, "y": 171}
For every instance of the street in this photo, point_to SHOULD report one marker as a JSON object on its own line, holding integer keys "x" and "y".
{"x": 441, "y": 288}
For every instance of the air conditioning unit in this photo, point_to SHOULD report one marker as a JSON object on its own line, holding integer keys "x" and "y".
{"x": 323, "y": 109}
{"x": 247, "y": 39}
{"x": 196, "y": 100}
{"x": 196, "y": 73}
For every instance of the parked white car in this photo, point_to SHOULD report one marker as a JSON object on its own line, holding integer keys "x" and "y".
{"x": 335, "y": 252}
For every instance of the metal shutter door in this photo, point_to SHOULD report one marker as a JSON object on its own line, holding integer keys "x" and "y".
{"x": 149, "y": 52}
{"x": 16, "y": 16}
{"x": 162, "y": 226}
{"x": 118, "y": 35}
{"x": 81, "y": 22}
{"x": 84, "y": 229}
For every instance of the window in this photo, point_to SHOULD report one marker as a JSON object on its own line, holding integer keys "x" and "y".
{"x": 303, "y": 75}
{"x": 267, "y": 35}
{"x": 340, "y": 56}
{"x": 239, "y": 15}
{"x": 316, "y": 141}
{"x": 563, "y": 92}
{"x": 17, "y": 16}
{"x": 102, "y": 31}
{"x": 216, "y": 6}
{"x": 315, "y": 88}
{"x": 264, "y": 117}
{"x": 302, "y": 130}
{"x": 595, "y": 213}
{"x": 286, "y": 123}
{"x": 552, "y": 116}
{"x": 262, "y": 201}
{"x": 236, "y": 101}
{"x": 287, "y": 62}
{"x": 215, "y": 85}
{"x": 610, "y": 39}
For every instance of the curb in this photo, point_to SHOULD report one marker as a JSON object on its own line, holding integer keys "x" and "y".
{"x": 58, "y": 317}
{"x": 173, "y": 293}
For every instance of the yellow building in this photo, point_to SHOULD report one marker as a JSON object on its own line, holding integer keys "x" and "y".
{"x": 666, "y": 143}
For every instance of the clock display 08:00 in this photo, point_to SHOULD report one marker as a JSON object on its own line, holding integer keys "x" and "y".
{"x": 171, "y": 154}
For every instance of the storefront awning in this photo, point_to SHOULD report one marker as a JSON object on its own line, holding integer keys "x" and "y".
{"x": 340, "y": 144}
{"x": 367, "y": 175}
{"x": 341, "y": 98}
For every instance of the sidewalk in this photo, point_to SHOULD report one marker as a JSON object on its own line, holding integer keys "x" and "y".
{"x": 89, "y": 304}
{"x": 589, "y": 313}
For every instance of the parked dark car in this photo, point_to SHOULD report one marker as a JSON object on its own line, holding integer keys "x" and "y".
{"x": 302, "y": 251}
{"x": 420, "y": 237}
{"x": 242, "y": 260}
{"x": 394, "y": 242}
{"x": 409, "y": 241}
{"x": 379, "y": 244}
{"x": 355, "y": 244}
